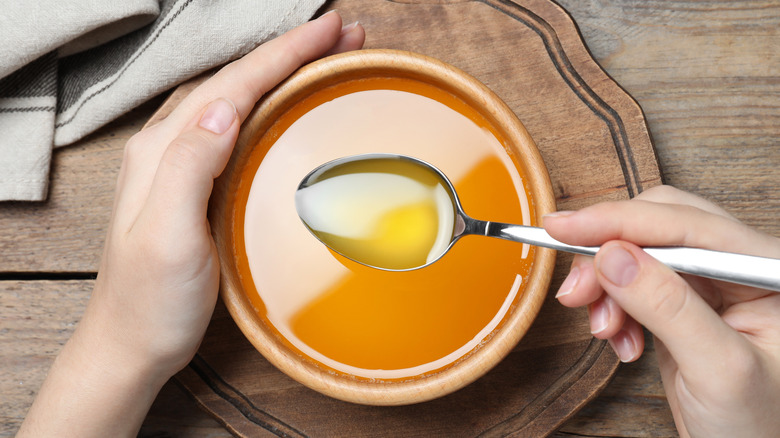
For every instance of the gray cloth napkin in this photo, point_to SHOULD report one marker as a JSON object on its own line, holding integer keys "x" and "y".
{"x": 69, "y": 67}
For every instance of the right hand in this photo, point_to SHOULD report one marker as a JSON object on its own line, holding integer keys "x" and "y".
{"x": 718, "y": 343}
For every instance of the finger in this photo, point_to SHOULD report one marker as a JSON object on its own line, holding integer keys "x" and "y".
{"x": 629, "y": 342}
{"x": 654, "y": 224}
{"x": 241, "y": 82}
{"x": 581, "y": 287}
{"x": 178, "y": 197}
{"x": 249, "y": 78}
{"x": 757, "y": 319}
{"x": 352, "y": 37}
{"x": 606, "y": 317}
{"x": 670, "y": 195}
{"x": 663, "y": 302}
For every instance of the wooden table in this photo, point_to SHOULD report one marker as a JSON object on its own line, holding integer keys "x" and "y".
{"x": 707, "y": 75}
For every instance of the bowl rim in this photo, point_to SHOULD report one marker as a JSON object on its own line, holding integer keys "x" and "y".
{"x": 388, "y": 63}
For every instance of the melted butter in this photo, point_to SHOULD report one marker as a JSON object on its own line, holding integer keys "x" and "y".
{"x": 382, "y": 212}
{"x": 357, "y": 320}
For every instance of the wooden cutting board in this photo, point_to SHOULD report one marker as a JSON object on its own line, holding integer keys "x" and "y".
{"x": 594, "y": 140}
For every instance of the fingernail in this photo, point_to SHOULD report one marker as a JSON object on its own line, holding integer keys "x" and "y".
{"x": 624, "y": 347}
{"x": 599, "y": 317}
{"x": 219, "y": 116}
{"x": 569, "y": 283}
{"x": 618, "y": 266}
{"x": 332, "y": 11}
{"x": 556, "y": 214}
{"x": 348, "y": 28}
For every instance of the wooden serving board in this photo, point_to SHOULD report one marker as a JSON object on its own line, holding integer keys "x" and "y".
{"x": 595, "y": 143}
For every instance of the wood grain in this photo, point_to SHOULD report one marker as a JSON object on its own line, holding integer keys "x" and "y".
{"x": 37, "y": 319}
{"x": 705, "y": 73}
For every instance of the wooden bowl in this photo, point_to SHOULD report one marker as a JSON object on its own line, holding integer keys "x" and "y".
{"x": 348, "y": 67}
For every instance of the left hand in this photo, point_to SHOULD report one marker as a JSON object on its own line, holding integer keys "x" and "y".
{"x": 159, "y": 277}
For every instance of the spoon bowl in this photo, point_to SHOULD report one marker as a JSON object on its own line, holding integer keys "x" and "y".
{"x": 387, "y": 211}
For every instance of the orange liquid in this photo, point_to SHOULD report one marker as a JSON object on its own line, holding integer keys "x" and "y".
{"x": 357, "y": 320}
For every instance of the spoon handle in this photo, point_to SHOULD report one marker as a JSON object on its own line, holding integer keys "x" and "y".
{"x": 760, "y": 272}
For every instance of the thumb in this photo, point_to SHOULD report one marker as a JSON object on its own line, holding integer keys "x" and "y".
{"x": 667, "y": 305}
{"x": 185, "y": 176}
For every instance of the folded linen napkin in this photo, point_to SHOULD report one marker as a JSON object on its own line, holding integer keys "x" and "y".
{"x": 68, "y": 68}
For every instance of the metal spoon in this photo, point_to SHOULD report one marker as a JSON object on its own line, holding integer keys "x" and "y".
{"x": 749, "y": 270}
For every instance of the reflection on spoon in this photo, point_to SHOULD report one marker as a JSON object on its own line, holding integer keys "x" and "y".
{"x": 383, "y": 211}
{"x": 397, "y": 213}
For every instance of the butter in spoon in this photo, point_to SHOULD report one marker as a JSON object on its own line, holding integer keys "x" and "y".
{"x": 399, "y": 213}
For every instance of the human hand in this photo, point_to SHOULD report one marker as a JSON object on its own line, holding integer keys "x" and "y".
{"x": 159, "y": 275}
{"x": 158, "y": 281}
{"x": 718, "y": 343}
